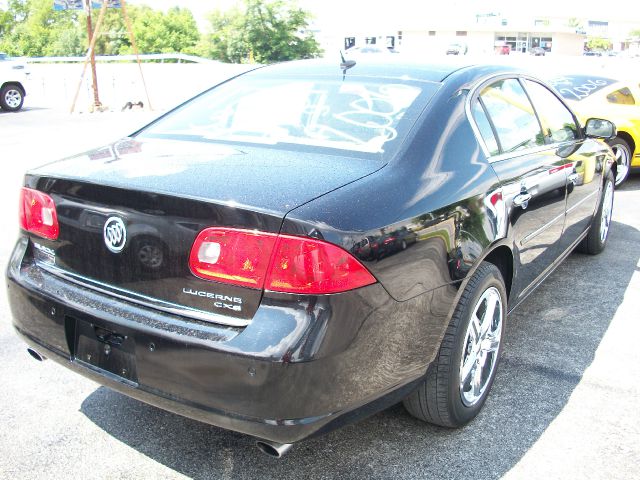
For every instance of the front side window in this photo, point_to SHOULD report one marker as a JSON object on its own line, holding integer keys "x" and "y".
{"x": 358, "y": 115}
{"x": 512, "y": 116}
{"x": 557, "y": 121}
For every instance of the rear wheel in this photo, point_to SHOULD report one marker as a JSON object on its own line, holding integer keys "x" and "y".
{"x": 596, "y": 239}
{"x": 459, "y": 379}
{"x": 622, "y": 152}
{"x": 11, "y": 98}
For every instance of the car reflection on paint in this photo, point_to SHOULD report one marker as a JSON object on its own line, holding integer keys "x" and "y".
{"x": 385, "y": 244}
{"x": 614, "y": 99}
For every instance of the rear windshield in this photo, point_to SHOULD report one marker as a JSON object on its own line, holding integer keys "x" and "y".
{"x": 354, "y": 114}
{"x": 579, "y": 87}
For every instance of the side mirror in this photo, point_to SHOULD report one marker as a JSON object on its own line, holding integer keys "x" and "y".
{"x": 599, "y": 128}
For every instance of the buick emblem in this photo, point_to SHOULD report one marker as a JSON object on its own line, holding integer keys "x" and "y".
{"x": 115, "y": 234}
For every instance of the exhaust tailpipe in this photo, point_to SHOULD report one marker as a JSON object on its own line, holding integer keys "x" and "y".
{"x": 36, "y": 355}
{"x": 273, "y": 449}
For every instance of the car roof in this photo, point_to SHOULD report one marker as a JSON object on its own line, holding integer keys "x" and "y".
{"x": 397, "y": 66}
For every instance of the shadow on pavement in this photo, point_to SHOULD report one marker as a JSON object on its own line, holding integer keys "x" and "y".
{"x": 22, "y": 110}
{"x": 551, "y": 340}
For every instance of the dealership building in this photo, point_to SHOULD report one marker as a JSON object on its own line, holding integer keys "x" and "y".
{"x": 484, "y": 39}
{"x": 415, "y": 27}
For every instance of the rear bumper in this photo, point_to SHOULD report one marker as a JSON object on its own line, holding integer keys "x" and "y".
{"x": 303, "y": 366}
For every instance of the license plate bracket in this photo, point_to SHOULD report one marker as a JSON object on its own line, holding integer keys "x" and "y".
{"x": 106, "y": 350}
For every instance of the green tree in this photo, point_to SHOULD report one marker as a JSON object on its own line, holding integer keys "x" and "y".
{"x": 15, "y": 13}
{"x": 6, "y": 24}
{"x": 33, "y": 28}
{"x": 264, "y": 31}
{"x": 113, "y": 38}
{"x": 575, "y": 23}
{"x": 175, "y": 31}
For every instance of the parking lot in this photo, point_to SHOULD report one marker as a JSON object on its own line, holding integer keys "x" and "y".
{"x": 564, "y": 404}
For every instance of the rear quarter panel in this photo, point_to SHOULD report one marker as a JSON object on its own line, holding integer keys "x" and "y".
{"x": 434, "y": 191}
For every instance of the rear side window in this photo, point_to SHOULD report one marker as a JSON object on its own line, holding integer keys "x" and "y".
{"x": 622, "y": 96}
{"x": 486, "y": 132}
{"x": 512, "y": 115}
{"x": 557, "y": 121}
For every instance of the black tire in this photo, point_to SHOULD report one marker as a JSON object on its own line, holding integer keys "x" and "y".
{"x": 439, "y": 399}
{"x": 623, "y": 153}
{"x": 596, "y": 240}
{"x": 11, "y": 97}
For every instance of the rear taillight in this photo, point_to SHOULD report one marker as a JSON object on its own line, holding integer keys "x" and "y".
{"x": 240, "y": 257}
{"x": 38, "y": 214}
{"x": 306, "y": 265}
{"x": 281, "y": 263}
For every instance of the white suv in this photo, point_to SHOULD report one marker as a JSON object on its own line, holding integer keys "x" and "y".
{"x": 12, "y": 80}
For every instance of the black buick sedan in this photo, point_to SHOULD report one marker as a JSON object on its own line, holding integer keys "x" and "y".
{"x": 309, "y": 243}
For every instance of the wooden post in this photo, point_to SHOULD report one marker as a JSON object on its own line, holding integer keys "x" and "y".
{"x": 93, "y": 36}
{"x": 132, "y": 37}
{"x": 92, "y": 45}
{"x": 94, "y": 76}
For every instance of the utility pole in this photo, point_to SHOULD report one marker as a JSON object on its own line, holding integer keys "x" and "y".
{"x": 96, "y": 96}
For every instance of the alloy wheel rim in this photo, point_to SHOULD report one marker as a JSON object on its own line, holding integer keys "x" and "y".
{"x": 481, "y": 346}
{"x": 13, "y": 98}
{"x": 607, "y": 208}
{"x": 622, "y": 156}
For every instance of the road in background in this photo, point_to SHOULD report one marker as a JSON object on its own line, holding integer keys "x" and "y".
{"x": 564, "y": 404}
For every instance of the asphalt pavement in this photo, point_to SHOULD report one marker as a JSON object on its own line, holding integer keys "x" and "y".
{"x": 564, "y": 404}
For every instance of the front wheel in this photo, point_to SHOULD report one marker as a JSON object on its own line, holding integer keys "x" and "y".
{"x": 459, "y": 379}
{"x": 622, "y": 152}
{"x": 11, "y": 98}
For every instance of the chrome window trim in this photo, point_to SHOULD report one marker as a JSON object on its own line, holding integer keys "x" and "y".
{"x": 520, "y": 153}
{"x": 473, "y": 94}
{"x": 144, "y": 300}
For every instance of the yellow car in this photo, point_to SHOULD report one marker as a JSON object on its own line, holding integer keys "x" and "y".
{"x": 594, "y": 96}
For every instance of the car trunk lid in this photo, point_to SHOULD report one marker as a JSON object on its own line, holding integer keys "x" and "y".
{"x": 160, "y": 195}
